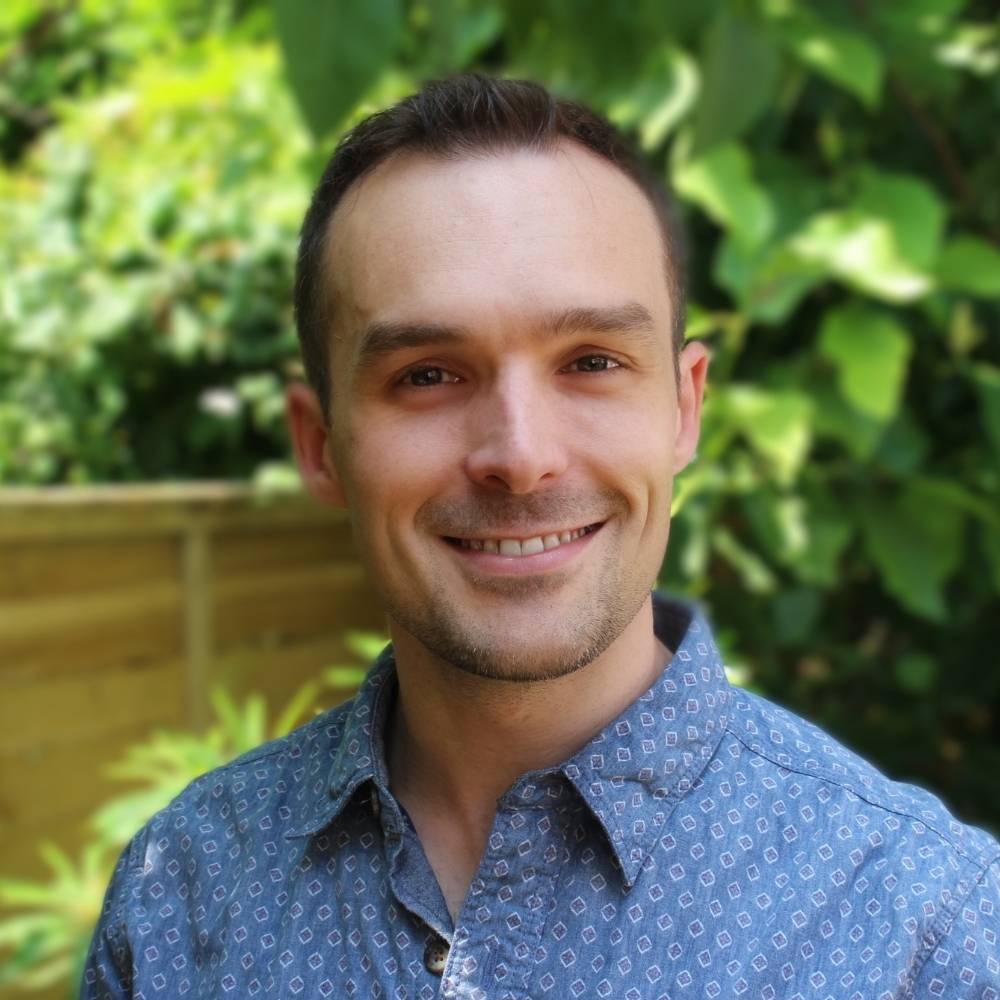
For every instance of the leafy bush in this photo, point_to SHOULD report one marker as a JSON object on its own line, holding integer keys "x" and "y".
{"x": 837, "y": 166}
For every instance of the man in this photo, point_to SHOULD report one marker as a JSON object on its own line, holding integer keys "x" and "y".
{"x": 546, "y": 786}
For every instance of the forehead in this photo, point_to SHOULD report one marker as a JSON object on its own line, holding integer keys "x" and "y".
{"x": 500, "y": 236}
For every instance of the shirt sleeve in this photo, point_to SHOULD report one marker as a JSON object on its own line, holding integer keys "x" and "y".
{"x": 107, "y": 970}
{"x": 966, "y": 963}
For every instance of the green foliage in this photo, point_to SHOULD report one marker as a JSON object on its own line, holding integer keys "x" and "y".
{"x": 148, "y": 242}
{"x": 48, "y": 932}
{"x": 837, "y": 172}
{"x": 335, "y": 53}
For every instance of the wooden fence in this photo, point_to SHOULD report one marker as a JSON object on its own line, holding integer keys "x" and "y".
{"x": 121, "y": 607}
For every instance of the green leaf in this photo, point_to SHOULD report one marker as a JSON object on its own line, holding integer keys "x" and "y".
{"x": 778, "y": 522}
{"x": 845, "y": 57}
{"x": 915, "y": 543}
{"x": 828, "y": 531}
{"x": 991, "y": 547}
{"x": 912, "y": 209}
{"x": 778, "y": 425}
{"x": 660, "y": 98}
{"x": 969, "y": 264}
{"x": 870, "y": 351}
{"x": 796, "y": 610}
{"x": 915, "y": 673}
{"x": 334, "y": 52}
{"x": 446, "y": 35}
{"x": 885, "y": 243}
{"x": 722, "y": 183}
{"x": 834, "y": 418}
{"x": 860, "y": 251}
{"x": 367, "y": 645}
{"x": 903, "y": 448}
{"x": 589, "y": 47}
{"x": 754, "y": 573}
{"x": 740, "y": 65}
{"x": 768, "y": 282}
{"x": 987, "y": 381}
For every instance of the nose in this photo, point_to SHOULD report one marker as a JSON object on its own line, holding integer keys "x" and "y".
{"x": 517, "y": 438}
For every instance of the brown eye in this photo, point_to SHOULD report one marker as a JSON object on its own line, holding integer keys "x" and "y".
{"x": 420, "y": 378}
{"x": 596, "y": 363}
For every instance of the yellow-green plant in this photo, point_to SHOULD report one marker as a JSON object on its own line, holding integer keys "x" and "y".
{"x": 46, "y": 924}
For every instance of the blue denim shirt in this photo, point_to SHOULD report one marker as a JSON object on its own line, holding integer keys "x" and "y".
{"x": 706, "y": 844}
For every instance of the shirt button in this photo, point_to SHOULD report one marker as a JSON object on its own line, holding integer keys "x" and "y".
{"x": 436, "y": 956}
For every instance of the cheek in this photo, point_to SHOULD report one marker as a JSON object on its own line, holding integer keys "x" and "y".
{"x": 637, "y": 438}
{"x": 398, "y": 463}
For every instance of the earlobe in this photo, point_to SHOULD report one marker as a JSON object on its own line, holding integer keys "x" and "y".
{"x": 693, "y": 369}
{"x": 310, "y": 436}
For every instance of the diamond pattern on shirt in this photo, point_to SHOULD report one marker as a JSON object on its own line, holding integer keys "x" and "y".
{"x": 706, "y": 844}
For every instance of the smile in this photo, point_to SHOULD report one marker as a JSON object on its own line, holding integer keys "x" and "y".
{"x": 523, "y": 546}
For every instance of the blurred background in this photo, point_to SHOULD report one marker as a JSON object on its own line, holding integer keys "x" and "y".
{"x": 167, "y": 599}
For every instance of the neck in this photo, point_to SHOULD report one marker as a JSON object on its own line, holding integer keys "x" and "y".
{"x": 457, "y": 742}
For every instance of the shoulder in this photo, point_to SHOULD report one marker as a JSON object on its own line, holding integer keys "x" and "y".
{"x": 255, "y": 795}
{"x": 273, "y": 779}
{"x": 889, "y": 854}
{"x": 230, "y": 820}
{"x": 807, "y": 760}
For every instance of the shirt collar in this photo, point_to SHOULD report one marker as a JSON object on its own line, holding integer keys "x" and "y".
{"x": 635, "y": 772}
{"x": 631, "y": 776}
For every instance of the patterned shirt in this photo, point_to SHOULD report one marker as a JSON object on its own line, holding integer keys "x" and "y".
{"x": 707, "y": 844}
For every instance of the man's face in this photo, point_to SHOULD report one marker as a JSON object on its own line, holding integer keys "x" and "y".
{"x": 503, "y": 380}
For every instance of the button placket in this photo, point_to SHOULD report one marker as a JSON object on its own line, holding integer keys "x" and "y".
{"x": 510, "y": 898}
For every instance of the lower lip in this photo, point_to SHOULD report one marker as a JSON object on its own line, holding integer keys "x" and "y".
{"x": 540, "y": 562}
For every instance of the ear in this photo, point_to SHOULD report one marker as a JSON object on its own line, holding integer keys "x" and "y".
{"x": 311, "y": 440}
{"x": 693, "y": 368}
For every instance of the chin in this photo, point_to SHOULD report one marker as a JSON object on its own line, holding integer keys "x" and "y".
{"x": 528, "y": 666}
{"x": 511, "y": 649}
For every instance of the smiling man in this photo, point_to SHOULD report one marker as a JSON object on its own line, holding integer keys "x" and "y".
{"x": 546, "y": 785}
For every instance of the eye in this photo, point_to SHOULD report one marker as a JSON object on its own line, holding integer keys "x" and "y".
{"x": 424, "y": 377}
{"x": 596, "y": 363}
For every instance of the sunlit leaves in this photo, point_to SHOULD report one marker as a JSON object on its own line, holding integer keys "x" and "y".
{"x": 828, "y": 532}
{"x": 753, "y": 571}
{"x": 869, "y": 350}
{"x": 721, "y": 182}
{"x": 885, "y": 243}
{"x": 846, "y": 57}
{"x": 776, "y": 424}
{"x": 660, "y": 98}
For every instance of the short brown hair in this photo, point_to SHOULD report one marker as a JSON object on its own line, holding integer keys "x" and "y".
{"x": 464, "y": 115}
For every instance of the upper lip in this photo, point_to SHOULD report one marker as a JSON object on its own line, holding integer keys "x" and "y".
{"x": 520, "y": 536}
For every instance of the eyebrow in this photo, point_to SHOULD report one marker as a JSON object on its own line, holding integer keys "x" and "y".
{"x": 633, "y": 320}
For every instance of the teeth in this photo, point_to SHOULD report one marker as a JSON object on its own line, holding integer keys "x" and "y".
{"x": 528, "y": 547}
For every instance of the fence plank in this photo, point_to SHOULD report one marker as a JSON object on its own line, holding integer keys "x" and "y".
{"x": 120, "y": 607}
